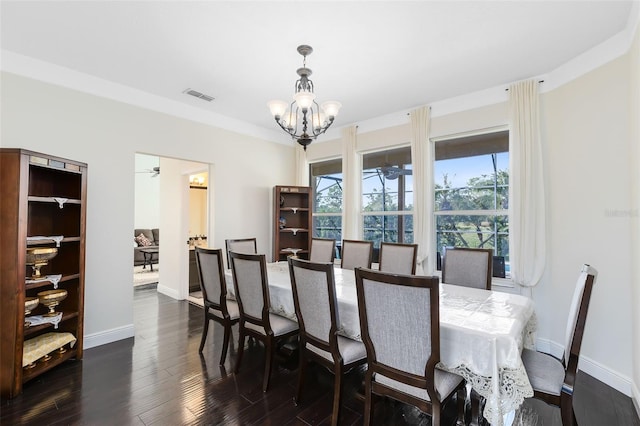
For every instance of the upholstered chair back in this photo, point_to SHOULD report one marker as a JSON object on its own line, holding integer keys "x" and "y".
{"x": 573, "y": 334}
{"x": 250, "y": 283}
{"x": 243, "y": 245}
{"x": 356, "y": 253}
{"x": 468, "y": 267}
{"x": 211, "y": 274}
{"x": 398, "y": 258}
{"x": 323, "y": 250}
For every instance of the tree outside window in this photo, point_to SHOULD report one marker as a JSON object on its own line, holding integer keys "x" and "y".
{"x": 387, "y": 197}
{"x": 471, "y": 177}
{"x": 326, "y": 182}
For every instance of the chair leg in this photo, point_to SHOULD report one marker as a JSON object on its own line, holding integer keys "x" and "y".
{"x": 460, "y": 401}
{"x": 270, "y": 348}
{"x": 301, "y": 371}
{"x": 240, "y": 349}
{"x": 368, "y": 403}
{"x": 566, "y": 411}
{"x": 476, "y": 414}
{"x": 205, "y": 331}
{"x": 337, "y": 393}
{"x": 225, "y": 342}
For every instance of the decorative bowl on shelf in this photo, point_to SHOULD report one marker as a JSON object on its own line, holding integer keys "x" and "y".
{"x": 30, "y": 303}
{"x": 37, "y": 257}
{"x": 51, "y": 299}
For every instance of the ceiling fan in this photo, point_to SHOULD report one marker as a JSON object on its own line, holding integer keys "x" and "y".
{"x": 154, "y": 172}
{"x": 392, "y": 172}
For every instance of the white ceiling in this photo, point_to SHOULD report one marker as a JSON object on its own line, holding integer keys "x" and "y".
{"x": 375, "y": 57}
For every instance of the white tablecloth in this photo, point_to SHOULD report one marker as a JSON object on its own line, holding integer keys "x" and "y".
{"x": 482, "y": 333}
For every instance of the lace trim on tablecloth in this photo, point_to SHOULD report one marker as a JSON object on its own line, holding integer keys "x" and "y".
{"x": 514, "y": 388}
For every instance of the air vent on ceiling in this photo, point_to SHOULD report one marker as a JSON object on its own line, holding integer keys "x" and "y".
{"x": 199, "y": 95}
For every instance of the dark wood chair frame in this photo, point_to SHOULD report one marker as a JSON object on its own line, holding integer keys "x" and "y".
{"x": 370, "y": 243}
{"x": 220, "y": 305}
{"x": 269, "y": 340}
{"x": 337, "y": 367}
{"x": 489, "y": 263}
{"x": 239, "y": 240}
{"x": 427, "y": 381}
{"x": 333, "y": 250}
{"x": 565, "y": 399}
{"x": 415, "y": 253}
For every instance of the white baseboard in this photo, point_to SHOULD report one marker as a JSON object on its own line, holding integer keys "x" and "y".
{"x": 605, "y": 374}
{"x": 108, "y": 336}
{"x": 171, "y": 292}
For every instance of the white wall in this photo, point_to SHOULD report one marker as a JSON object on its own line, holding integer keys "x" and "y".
{"x": 634, "y": 140}
{"x": 147, "y": 193}
{"x": 106, "y": 135}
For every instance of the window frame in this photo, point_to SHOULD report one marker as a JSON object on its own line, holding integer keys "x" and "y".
{"x": 504, "y": 283}
{"x": 314, "y": 214}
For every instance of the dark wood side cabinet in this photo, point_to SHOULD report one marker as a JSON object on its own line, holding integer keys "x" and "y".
{"x": 292, "y": 222}
{"x": 40, "y": 196}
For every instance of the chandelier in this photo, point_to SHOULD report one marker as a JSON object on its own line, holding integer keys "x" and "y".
{"x": 304, "y": 109}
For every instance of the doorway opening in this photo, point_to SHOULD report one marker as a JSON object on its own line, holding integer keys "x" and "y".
{"x": 171, "y": 199}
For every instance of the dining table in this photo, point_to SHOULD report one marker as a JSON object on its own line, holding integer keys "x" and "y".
{"x": 482, "y": 334}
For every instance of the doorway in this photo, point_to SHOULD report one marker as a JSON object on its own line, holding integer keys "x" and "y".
{"x": 163, "y": 202}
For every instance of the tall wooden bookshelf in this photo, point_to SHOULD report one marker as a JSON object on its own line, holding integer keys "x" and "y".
{"x": 292, "y": 222}
{"x": 42, "y": 196}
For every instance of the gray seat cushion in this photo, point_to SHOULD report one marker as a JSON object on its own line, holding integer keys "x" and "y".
{"x": 232, "y": 308}
{"x": 279, "y": 325}
{"x": 445, "y": 383}
{"x": 546, "y": 373}
{"x": 351, "y": 350}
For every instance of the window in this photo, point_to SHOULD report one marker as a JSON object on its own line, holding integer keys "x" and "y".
{"x": 326, "y": 183}
{"x": 387, "y": 197}
{"x": 471, "y": 182}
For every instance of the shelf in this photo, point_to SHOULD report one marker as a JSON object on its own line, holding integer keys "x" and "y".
{"x": 294, "y": 209}
{"x": 29, "y": 286}
{"x": 45, "y": 241}
{"x": 33, "y": 198}
{"x": 287, "y": 252}
{"x": 41, "y": 367}
{"x": 294, "y": 229}
{"x": 36, "y": 328}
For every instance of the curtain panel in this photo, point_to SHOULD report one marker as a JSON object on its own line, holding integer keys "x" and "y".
{"x": 351, "y": 198}
{"x": 422, "y": 154}
{"x": 527, "y": 233}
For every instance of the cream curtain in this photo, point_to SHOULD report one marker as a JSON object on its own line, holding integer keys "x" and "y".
{"x": 302, "y": 166}
{"x": 422, "y": 160}
{"x": 527, "y": 246}
{"x": 351, "y": 184}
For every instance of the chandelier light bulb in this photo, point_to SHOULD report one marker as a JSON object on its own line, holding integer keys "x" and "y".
{"x": 331, "y": 108}
{"x": 304, "y": 99}
{"x": 277, "y": 107}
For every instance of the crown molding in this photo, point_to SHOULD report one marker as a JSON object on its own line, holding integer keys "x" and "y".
{"x": 50, "y": 73}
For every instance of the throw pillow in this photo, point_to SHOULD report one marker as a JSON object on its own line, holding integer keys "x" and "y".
{"x": 142, "y": 240}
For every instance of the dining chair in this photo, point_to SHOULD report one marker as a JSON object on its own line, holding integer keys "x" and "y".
{"x": 400, "y": 327}
{"x": 322, "y": 250}
{"x": 241, "y": 245}
{"x": 252, "y": 293}
{"x": 552, "y": 379}
{"x": 214, "y": 292}
{"x": 398, "y": 258}
{"x": 314, "y": 298}
{"x": 356, "y": 253}
{"x": 468, "y": 267}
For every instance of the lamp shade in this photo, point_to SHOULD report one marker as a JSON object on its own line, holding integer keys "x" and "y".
{"x": 277, "y": 107}
{"x": 331, "y": 108}
{"x": 304, "y": 99}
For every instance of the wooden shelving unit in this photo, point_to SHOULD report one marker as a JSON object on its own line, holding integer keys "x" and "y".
{"x": 42, "y": 196}
{"x": 292, "y": 221}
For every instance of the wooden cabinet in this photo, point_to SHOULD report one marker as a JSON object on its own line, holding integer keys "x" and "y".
{"x": 41, "y": 196}
{"x": 292, "y": 222}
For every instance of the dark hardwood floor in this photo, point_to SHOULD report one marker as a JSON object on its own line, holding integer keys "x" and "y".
{"x": 159, "y": 378}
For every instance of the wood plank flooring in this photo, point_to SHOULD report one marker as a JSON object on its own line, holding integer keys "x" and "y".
{"x": 158, "y": 378}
